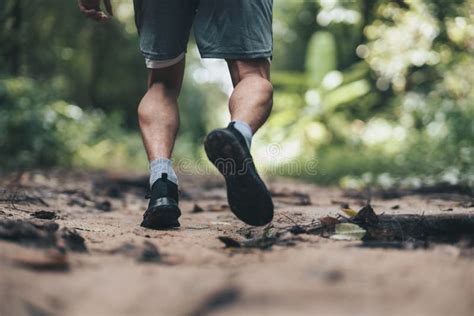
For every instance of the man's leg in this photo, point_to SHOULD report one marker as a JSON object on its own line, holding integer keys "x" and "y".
{"x": 252, "y": 99}
{"x": 229, "y": 148}
{"x": 159, "y": 122}
{"x": 158, "y": 111}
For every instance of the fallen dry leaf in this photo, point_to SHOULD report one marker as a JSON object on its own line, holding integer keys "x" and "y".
{"x": 329, "y": 221}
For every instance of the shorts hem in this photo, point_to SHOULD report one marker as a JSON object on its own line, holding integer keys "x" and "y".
{"x": 160, "y": 57}
{"x": 246, "y": 55}
{"x": 160, "y": 64}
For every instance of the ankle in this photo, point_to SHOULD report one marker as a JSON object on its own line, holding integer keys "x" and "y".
{"x": 245, "y": 130}
{"x": 160, "y": 166}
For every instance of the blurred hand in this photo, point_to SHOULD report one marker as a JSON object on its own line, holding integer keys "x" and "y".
{"x": 91, "y": 9}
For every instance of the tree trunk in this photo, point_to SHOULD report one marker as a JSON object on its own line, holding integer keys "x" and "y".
{"x": 14, "y": 56}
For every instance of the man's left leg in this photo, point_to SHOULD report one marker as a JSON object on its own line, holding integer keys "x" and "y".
{"x": 252, "y": 99}
{"x": 229, "y": 148}
{"x": 240, "y": 31}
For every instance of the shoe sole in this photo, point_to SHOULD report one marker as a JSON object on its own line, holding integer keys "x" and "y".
{"x": 162, "y": 217}
{"x": 247, "y": 194}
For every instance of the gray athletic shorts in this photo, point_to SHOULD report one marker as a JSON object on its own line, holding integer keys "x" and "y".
{"x": 228, "y": 29}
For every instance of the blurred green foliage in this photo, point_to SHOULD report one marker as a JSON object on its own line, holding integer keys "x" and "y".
{"x": 40, "y": 130}
{"x": 386, "y": 94}
{"x": 371, "y": 91}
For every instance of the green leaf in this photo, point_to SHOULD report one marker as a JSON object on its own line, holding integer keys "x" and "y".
{"x": 349, "y": 212}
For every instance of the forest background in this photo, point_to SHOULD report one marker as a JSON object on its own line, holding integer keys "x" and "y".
{"x": 366, "y": 92}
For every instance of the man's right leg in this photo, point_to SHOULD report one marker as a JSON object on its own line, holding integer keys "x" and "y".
{"x": 159, "y": 122}
{"x": 163, "y": 27}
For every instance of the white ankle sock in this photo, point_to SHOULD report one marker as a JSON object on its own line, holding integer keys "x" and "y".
{"x": 160, "y": 166}
{"x": 245, "y": 130}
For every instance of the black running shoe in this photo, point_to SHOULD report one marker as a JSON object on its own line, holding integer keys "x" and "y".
{"x": 163, "y": 211}
{"x": 248, "y": 196}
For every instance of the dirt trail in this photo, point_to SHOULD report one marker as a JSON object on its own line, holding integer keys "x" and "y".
{"x": 98, "y": 261}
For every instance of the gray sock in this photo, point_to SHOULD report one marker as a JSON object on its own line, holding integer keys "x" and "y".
{"x": 160, "y": 166}
{"x": 245, "y": 130}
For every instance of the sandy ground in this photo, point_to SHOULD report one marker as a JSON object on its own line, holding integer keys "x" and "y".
{"x": 195, "y": 274}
